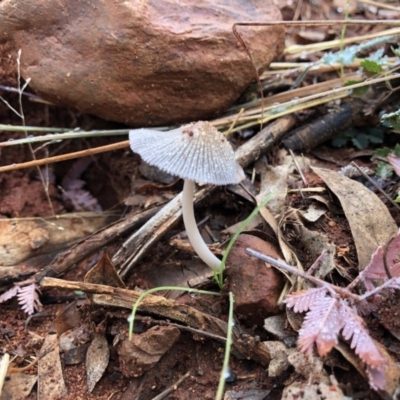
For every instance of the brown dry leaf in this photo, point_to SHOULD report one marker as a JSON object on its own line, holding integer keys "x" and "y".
{"x": 392, "y": 370}
{"x": 145, "y": 350}
{"x": 51, "y": 383}
{"x": 18, "y": 386}
{"x": 274, "y": 181}
{"x": 97, "y": 358}
{"x": 68, "y": 318}
{"x": 104, "y": 273}
{"x": 370, "y": 221}
{"x": 315, "y": 243}
{"x": 23, "y": 238}
{"x": 314, "y": 212}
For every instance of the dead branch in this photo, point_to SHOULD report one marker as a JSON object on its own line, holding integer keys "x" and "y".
{"x": 245, "y": 345}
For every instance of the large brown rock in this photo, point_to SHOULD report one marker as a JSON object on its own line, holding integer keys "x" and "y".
{"x": 141, "y": 62}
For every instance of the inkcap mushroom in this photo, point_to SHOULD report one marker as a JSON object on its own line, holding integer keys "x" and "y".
{"x": 196, "y": 152}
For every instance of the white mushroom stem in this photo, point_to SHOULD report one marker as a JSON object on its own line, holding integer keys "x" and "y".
{"x": 192, "y": 231}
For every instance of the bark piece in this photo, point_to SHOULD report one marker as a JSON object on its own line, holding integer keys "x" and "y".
{"x": 141, "y": 62}
{"x": 18, "y": 386}
{"x": 51, "y": 381}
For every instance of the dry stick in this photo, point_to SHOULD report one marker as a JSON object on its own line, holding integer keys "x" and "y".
{"x": 388, "y": 22}
{"x": 288, "y": 268}
{"x": 380, "y": 5}
{"x": 245, "y": 345}
{"x": 64, "y": 157}
{"x": 45, "y": 181}
{"x": 172, "y": 388}
{"x": 134, "y": 248}
{"x": 89, "y": 245}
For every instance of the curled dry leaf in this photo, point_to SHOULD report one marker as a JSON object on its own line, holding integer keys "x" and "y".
{"x": 370, "y": 221}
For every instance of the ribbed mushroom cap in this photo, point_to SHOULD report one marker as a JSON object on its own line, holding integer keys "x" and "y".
{"x": 197, "y": 151}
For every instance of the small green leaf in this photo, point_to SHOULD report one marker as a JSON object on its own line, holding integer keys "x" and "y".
{"x": 391, "y": 120}
{"x": 375, "y": 135}
{"x": 357, "y": 92}
{"x": 396, "y": 52}
{"x": 339, "y": 141}
{"x": 382, "y": 152}
{"x": 371, "y": 66}
{"x": 384, "y": 170}
{"x": 361, "y": 141}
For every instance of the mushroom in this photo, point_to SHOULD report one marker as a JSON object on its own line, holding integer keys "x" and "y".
{"x": 196, "y": 152}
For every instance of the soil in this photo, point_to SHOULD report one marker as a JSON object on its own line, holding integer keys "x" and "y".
{"x": 109, "y": 180}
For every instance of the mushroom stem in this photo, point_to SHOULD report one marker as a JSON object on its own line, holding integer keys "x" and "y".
{"x": 191, "y": 228}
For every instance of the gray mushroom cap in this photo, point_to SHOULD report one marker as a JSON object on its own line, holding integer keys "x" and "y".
{"x": 197, "y": 151}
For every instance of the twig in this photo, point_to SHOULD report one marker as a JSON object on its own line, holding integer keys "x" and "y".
{"x": 172, "y": 388}
{"x": 316, "y": 281}
{"x": 64, "y": 157}
{"x": 45, "y": 182}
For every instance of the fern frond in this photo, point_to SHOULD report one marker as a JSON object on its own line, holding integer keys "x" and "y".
{"x": 28, "y": 298}
{"x": 361, "y": 341}
{"x": 376, "y": 378}
{"x": 10, "y": 293}
{"x": 376, "y": 270}
{"x": 321, "y": 326}
{"x": 303, "y": 300}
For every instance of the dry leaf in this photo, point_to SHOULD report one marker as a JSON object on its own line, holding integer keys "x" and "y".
{"x": 370, "y": 221}
{"x": 97, "y": 359}
{"x": 104, "y": 273}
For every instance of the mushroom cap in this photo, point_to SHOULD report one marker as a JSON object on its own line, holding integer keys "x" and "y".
{"x": 197, "y": 151}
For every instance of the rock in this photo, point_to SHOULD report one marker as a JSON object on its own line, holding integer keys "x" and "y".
{"x": 141, "y": 62}
{"x": 256, "y": 285}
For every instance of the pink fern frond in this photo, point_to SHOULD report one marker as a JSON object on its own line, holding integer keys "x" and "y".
{"x": 321, "y": 326}
{"x": 28, "y": 298}
{"x": 394, "y": 162}
{"x": 303, "y": 300}
{"x": 10, "y": 293}
{"x": 393, "y": 255}
{"x": 376, "y": 270}
{"x": 362, "y": 343}
{"x": 376, "y": 378}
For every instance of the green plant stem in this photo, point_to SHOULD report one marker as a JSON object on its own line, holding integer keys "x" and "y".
{"x": 158, "y": 289}
{"x": 228, "y": 346}
{"x": 219, "y": 277}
